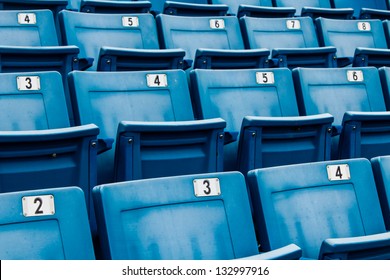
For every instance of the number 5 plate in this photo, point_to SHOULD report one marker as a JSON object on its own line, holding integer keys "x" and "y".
{"x": 38, "y": 205}
{"x": 207, "y": 187}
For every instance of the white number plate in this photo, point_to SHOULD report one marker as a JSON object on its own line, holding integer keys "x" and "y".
{"x": 217, "y": 23}
{"x": 207, "y": 187}
{"x": 293, "y": 24}
{"x": 157, "y": 80}
{"x": 364, "y": 26}
{"x": 265, "y": 78}
{"x": 28, "y": 83}
{"x": 130, "y": 21}
{"x": 338, "y": 172}
{"x": 355, "y": 76}
{"x": 27, "y": 18}
{"x": 38, "y": 205}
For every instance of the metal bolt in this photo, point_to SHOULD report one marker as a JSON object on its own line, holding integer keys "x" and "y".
{"x": 354, "y": 127}
{"x": 204, "y": 61}
{"x": 93, "y": 144}
{"x": 108, "y": 61}
{"x": 130, "y": 141}
{"x": 54, "y": 155}
{"x": 253, "y": 134}
{"x": 329, "y": 130}
{"x": 220, "y": 136}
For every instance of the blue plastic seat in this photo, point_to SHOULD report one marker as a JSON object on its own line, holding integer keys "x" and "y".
{"x": 263, "y": 123}
{"x": 19, "y": 5}
{"x": 205, "y": 216}
{"x": 293, "y": 41}
{"x": 192, "y": 33}
{"x": 315, "y": 8}
{"x": 194, "y": 9}
{"x": 329, "y": 209}
{"x": 354, "y": 97}
{"x": 29, "y": 43}
{"x": 234, "y": 5}
{"x": 39, "y": 149}
{"x": 111, "y": 6}
{"x": 377, "y": 9}
{"x": 358, "y": 42}
{"x": 118, "y": 42}
{"x": 49, "y": 224}
{"x": 158, "y": 5}
{"x": 381, "y": 167}
{"x": 149, "y": 114}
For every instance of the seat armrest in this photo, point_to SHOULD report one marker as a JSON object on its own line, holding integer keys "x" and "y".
{"x": 375, "y": 246}
{"x": 289, "y": 252}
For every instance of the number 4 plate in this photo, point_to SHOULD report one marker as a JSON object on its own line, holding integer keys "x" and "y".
{"x": 38, "y": 205}
{"x": 207, "y": 187}
{"x": 338, "y": 172}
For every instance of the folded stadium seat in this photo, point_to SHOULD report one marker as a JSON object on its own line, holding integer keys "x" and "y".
{"x": 158, "y": 5}
{"x": 54, "y": 5}
{"x": 110, "y": 6}
{"x": 203, "y": 216}
{"x": 234, "y": 5}
{"x": 29, "y": 43}
{"x": 381, "y": 167}
{"x": 354, "y": 97}
{"x": 191, "y": 9}
{"x": 259, "y": 105}
{"x": 49, "y": 224}
{"x": 377, "y": 9}
{"x": 358, "y": 42}
{"x": 329, "y": 209}
{"x": 149, "y": 114}
{"x": 293, "y": 41}
{"x": 118, "y": 42}
{"x": 38, "y": 147}
{"x": 192, "y": 33}
{"x": 315, "y": 8}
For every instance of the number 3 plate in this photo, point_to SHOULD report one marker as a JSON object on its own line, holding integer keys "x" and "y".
{"x": 38, "y": 205}
{"x": 207, "y": 187}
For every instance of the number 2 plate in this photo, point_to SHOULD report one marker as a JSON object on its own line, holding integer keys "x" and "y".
{"x": 338, "y": 172}
{"x": 207, "y": 187}
{"x": 38, "y": 205}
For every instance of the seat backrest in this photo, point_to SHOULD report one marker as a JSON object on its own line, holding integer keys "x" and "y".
{"x": 273, "y": 33}
{"x": 28, "y": 28}
{"x": 201, "y": 216}
{"x": 381, "y": 167}
{"x": 308, "y": 203}
{"x": 336, "y": 91}
{"x": 192, "y": 33}
{"x": 347, "y": 35}
{"x": 91, "y": 31}
{"x": 235, "y": 94}
{"x": 358, "y": 4}
{"x": 45, "y": 224}
{"x": 298, "y": 5}
{"x": 32, "y": 101}
{"x": 106, "y": 99}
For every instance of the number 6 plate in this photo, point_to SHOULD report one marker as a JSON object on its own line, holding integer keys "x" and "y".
{"x": 207, "y": 187}
{"x": 38, "y": 205}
